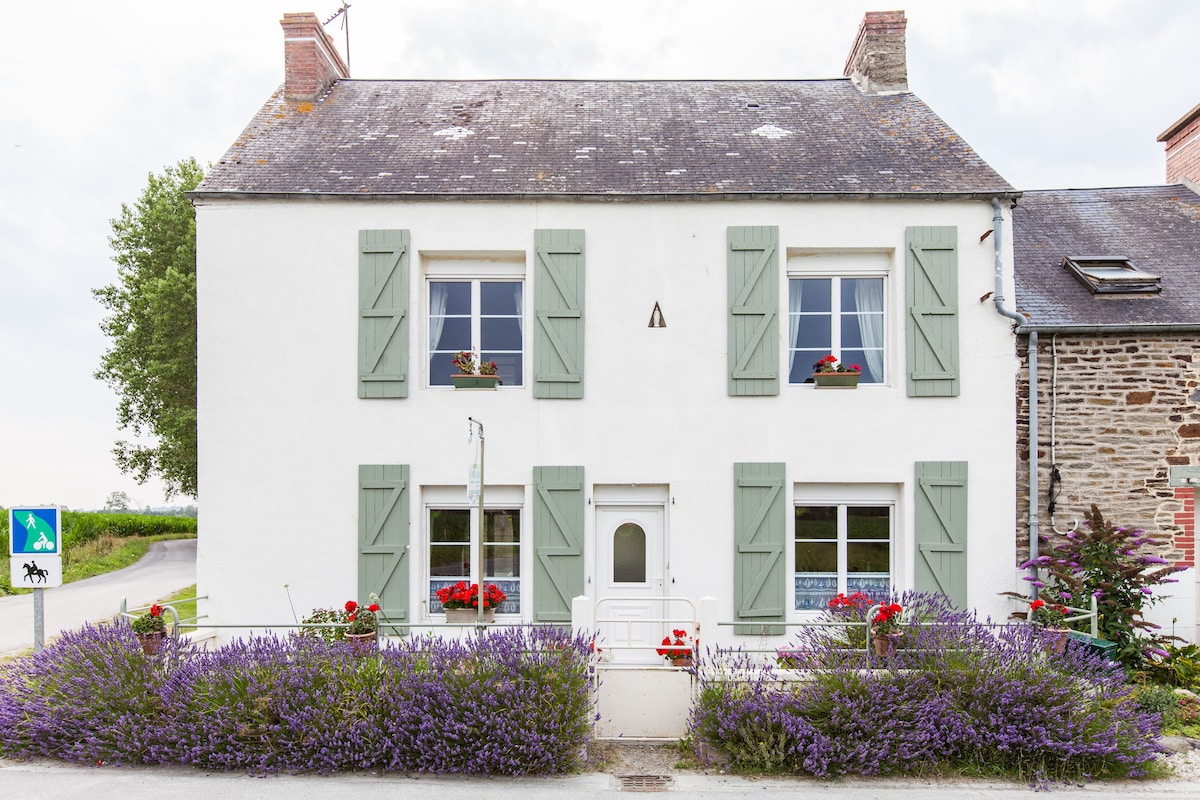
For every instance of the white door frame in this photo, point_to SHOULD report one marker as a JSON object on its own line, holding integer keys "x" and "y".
{"x": 629, "y": 640}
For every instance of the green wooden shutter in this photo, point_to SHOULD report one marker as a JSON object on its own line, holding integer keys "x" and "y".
{"x": 753, "y": 347}
{"x": 557, "y": 541}
{"x": 383, "y": 313}
{"x": 558, "y": 305}
{"x": 383, "y": 537}
{"x": 759, "y": 533}
{"x": 941, "y": 534}
{"x": 932, "y": 327}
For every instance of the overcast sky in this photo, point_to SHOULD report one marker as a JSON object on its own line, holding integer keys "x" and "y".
{"x": 1053, "y": 94}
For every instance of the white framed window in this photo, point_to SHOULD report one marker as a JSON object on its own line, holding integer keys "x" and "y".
{"x": 452, "y": 546}
{"x": 476, "y": 303}
{"x": 843, "y": 546}
{"x": 482, "y": 316}
{"x": 845, "y": 315}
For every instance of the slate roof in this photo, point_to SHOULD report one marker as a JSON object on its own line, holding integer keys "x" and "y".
{"x": 1156, "y": 227}
{"x": 536, "y": 138}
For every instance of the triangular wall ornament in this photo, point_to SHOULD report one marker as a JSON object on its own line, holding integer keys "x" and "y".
{"x": 657, "y": 320}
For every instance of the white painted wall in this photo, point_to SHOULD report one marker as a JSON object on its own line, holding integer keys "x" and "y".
{"x": 282, "y": 431}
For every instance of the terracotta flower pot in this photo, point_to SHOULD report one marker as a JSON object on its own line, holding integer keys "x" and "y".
{"x": 1054, "y": 640}
{"x": 152, "y": 643}
{"x": 682, "y": 661}
{"x": 362, "y": 642}
{"x": 885, "y": 643}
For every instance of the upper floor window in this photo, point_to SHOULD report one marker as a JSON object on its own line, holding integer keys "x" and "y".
{"x": 842, "y": 315}
{"x": 484, "y": 316}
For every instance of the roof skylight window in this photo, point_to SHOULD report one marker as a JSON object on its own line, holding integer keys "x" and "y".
{"x": 1111, "y": 275}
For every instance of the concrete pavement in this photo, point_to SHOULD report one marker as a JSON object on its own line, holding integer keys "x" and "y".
{"x": 168, "y": 567}
{"x": 47, "y": 779}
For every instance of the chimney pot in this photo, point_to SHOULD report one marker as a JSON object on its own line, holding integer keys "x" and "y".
{"x": 311, "y": 62}
{"x": 877, "y": 63}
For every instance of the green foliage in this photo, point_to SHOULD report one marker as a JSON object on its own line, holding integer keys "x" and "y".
{"x": 1158, "y": 700}
{"x": 1114, "y": 565}
{"x": 84, "y": 526}
{"x": 1179, "y": 710}
{"x": 151, "y": 362}
{"x": 1174, "y": 665}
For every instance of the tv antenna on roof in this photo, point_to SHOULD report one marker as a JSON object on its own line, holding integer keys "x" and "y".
{"x": 344, "y": 13}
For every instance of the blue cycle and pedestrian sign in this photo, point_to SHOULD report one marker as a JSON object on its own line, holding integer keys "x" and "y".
{"x": 35, "y": 547}
{"x": 34, "y": 531}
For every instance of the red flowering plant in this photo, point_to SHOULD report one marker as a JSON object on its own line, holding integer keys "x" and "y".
{"x": 887, "y": 620}
{"x": 1048, "y": 615}
{"x": 150, "y": 622}
{"x": 335, "y": 623}
{"x": 827, "y": 363}
{"x": 462, "y": 596}
{"x": 465, "y": 362}
{"x": 678, "y": 645}
{"x": 852, "y": 608}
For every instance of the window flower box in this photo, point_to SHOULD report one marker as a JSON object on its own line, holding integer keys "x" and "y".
{"x": 475, "y": 381}
{"x": 836, "y": 380}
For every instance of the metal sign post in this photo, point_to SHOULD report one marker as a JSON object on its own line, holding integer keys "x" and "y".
{"x": 35, "y": 533}
{"x": 471, "y": 484}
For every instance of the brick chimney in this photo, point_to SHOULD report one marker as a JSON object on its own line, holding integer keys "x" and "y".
{"x": 878, "y": 61}
{"x": 311, "y": 63}
{"x": 1183, "y": 149}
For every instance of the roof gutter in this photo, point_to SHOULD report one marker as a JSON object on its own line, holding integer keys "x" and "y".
{"x": 202, "y": 195}
{"x": 1139, "y": 328}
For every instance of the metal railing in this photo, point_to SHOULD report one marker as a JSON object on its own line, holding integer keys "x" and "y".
{"x": 124, "y": 612}
{"x": 691, "y": 623}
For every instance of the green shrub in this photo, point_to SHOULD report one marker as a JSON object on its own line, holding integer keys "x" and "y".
{"x": 1112, "y": 564}
{"x": 1174, "y": 666}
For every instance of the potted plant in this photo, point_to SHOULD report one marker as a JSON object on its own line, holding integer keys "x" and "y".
{"x": 472, "y": 374}
{"x": 1052, "y": 619}
{"x": 461, "y": 602}
{"x": 352, "y": 623}
{"x": 852, "y": 609}
{"x": 828, "y": 373}
{"x": 151, "y": 630}
{"x": 885, "y": 629}
{"x": 676, "y": 648}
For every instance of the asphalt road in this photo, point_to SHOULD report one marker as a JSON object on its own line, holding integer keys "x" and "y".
{"x": 168, "y": 567}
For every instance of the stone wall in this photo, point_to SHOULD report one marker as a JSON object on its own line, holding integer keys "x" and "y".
{"x": 1115, "y": 413}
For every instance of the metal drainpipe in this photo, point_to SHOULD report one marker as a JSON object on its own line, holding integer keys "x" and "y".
{"x": 998, "y": 299}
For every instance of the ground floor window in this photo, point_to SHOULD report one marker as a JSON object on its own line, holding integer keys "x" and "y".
{"x": 841, "y": 548}
{"x": 451, "y": 536}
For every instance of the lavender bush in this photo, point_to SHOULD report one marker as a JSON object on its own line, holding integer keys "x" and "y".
{"x": 91, "y": 696}
{"x": 960, "y": 695}
{"x": 512, "y": 701}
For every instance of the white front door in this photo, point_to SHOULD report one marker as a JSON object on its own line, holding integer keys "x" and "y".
{"x": 630, "y": 580}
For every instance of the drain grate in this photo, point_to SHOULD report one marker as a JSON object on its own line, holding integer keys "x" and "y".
{"x": 646, "y": 783}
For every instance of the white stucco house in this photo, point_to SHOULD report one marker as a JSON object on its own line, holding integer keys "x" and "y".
{"x": 655, "y": 266}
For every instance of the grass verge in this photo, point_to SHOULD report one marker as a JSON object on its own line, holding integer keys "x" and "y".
{"x": 86, "y": 560}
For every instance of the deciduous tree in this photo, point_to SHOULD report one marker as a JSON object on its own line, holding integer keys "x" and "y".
{"x": 151, "y": 362}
